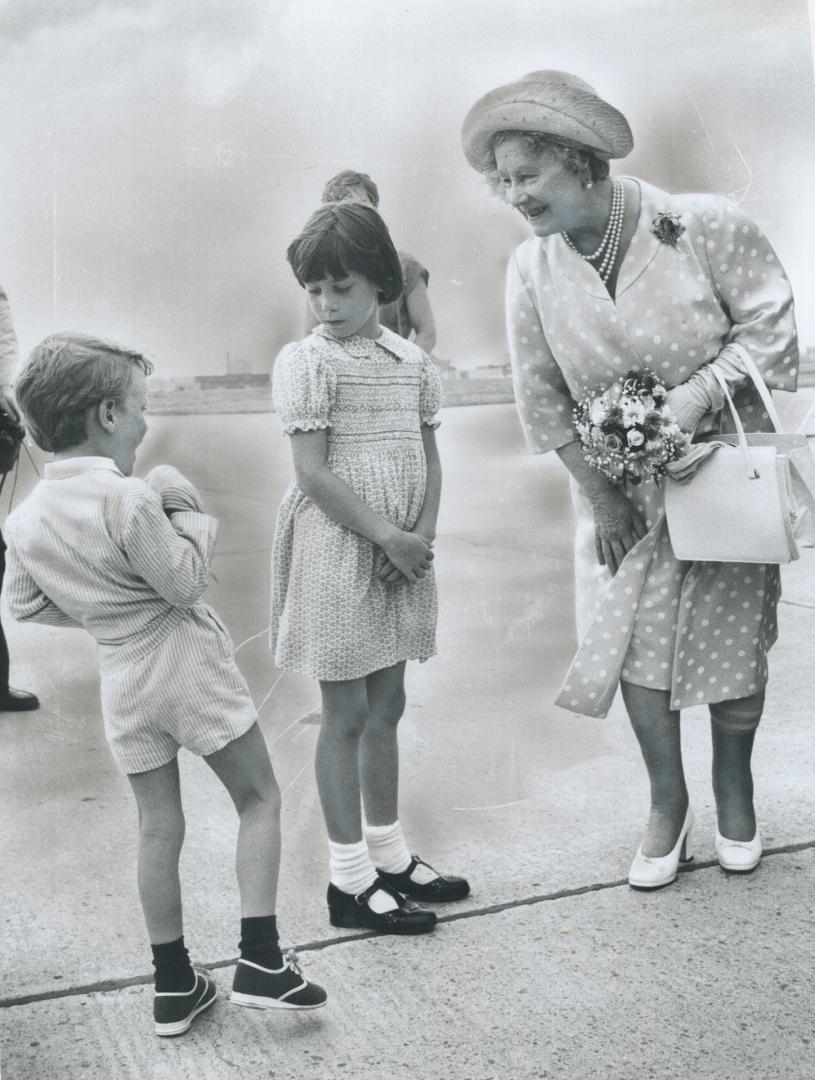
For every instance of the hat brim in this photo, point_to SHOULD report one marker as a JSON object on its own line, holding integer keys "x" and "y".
{"x": 566, "y": 113}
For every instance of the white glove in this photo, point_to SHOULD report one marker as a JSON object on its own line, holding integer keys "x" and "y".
{"x": 690, "y": 400}
{"x": 174, "y": 490}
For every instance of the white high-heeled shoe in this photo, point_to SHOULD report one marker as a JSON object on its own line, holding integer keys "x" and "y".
{"x": 650, "y": 872}
{"x": 738, "y": 856}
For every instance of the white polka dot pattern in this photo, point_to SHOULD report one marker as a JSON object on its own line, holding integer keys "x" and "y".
{"x": 718, "y": 294}
{"x": 332, "y": 617}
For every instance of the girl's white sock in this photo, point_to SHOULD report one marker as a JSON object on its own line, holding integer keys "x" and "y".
{"x": 350, "y": 866}
{"x": 352, "y": 871}
{"x": 389, "y": 852}
{"x": 387, "y": 847}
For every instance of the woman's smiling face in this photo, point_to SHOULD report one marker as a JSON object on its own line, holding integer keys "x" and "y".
{"x": 539, "y": 184}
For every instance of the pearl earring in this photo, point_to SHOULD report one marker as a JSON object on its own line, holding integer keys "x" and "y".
{"x": 588, "y": 184}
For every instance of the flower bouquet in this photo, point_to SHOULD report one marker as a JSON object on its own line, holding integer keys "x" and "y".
{"x": 627, "y": 431}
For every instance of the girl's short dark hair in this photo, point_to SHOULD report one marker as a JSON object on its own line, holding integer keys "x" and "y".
{"x": 63, "y": 377}
{"x": 343, "y": 238}
{"x": 342, "y": 185}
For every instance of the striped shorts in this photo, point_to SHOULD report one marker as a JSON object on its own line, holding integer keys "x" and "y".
{"x": 187, "y": 691}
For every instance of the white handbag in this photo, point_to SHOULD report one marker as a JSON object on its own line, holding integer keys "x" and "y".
{"x": 748, "y": 498}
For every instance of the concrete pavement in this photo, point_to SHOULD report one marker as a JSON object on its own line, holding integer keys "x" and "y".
{"x": 553, "y": 967}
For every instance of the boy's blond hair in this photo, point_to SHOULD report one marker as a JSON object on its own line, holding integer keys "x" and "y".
{"x": 64, "y": 376}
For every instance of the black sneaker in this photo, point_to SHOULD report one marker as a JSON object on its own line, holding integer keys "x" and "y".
{"x": 355, "y": 913}
{"x": 442, "y": 889}
{"x": 12, "y": 700}
{"x": 174, "y": 1013}
{"x": 285, "y": 987}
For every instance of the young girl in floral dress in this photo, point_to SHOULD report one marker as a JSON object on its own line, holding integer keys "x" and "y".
{"x": 353, "y": 591}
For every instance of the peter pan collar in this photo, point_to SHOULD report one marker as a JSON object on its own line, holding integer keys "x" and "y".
{"x": 79, "y": 466}
{"x": 360, "y": 347}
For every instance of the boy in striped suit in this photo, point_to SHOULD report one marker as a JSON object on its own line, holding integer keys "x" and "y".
{"x": 128, "y": 560}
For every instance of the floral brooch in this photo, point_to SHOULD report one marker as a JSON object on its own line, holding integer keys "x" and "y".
{"x": 667, "y": 228}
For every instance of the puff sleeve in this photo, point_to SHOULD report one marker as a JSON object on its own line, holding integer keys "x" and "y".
{"x": 541, "y": 395}
{"x": 755, "y": 293}
{"x": 429, "y": 394}
{"x": 303, "y": 388}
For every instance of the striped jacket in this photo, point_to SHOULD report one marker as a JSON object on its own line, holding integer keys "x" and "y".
{"x": 122, "y": 557}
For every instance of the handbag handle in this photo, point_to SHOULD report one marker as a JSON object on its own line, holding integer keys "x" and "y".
{"x": 763, "y": 392}
{"x": 749, "y": 463}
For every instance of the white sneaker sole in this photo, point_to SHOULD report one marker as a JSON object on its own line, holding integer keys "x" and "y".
{"x": 253, "y": 1001}
{"x": 180, "y": 1026}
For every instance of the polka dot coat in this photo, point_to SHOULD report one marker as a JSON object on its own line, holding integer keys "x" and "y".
{"x": 699, "y": 630}
{"x": 332, "y": 617}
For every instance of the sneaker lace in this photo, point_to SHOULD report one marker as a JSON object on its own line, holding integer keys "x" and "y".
{"x": 293, "y": 962}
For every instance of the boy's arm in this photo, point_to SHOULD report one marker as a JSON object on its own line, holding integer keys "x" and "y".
{"x": 172, "y": 554}
{"x": 174, "y": 489}
{"x": 26, "y": 601}
{"x": 421, "y": 316}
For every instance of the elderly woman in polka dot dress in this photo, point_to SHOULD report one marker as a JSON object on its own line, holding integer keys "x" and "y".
{"x": 621, "y": 275}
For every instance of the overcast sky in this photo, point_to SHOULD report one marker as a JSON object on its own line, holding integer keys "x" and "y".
{"x": 158, "y": 155}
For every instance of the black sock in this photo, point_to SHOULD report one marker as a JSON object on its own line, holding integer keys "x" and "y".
{"x": 259, "y": 942}
{"x": 174, "y": 974}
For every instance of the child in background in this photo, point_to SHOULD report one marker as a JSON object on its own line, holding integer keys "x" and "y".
{"x": 353, "y": 593}
{"x": 128, "y": 559}
{"x": 410, "y": 313}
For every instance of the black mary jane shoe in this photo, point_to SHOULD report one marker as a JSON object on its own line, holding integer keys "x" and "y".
{"x": 441, "y": 890}
{"x": 354, "y": 912}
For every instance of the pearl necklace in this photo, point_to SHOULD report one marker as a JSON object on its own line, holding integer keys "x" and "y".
{"x": 606, "y": 254}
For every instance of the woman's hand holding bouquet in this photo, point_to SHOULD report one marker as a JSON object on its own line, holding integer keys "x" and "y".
{"x": 628, "y": 434}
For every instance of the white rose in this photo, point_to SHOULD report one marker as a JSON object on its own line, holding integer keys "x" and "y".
{"x": 635, "y": 438}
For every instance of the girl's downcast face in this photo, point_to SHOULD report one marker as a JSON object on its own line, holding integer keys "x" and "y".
{"x": 347, "y": 306}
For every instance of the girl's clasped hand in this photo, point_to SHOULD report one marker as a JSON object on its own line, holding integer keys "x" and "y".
{"x": 408, "y": 556}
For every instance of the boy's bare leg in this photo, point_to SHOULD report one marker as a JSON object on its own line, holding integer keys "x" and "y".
{"x": 161, "y": 834}
{"x": 246, "y": 771}
{"x": 264, "y": 978}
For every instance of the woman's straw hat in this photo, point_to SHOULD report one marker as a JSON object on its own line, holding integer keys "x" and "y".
{"x": 551, "y": 103}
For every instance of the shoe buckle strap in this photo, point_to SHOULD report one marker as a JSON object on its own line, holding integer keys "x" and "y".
{"x": 379, "y": 886}
{"x": 420, "y": 862}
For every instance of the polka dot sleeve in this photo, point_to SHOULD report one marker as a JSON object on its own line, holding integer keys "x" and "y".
{"x": 429, "y": 394}
{"x": 303, "y": 388}
{"x": 754, "y": 291}
{"x": 542, "y": 397}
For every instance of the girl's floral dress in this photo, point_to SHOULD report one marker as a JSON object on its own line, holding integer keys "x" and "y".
{"x": 332, "y": 617}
